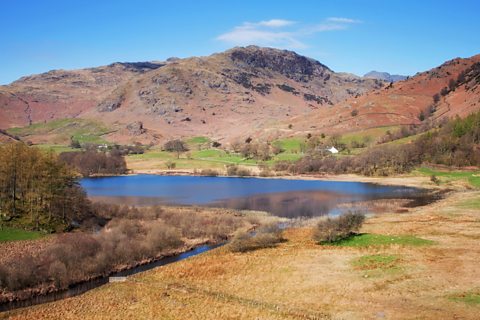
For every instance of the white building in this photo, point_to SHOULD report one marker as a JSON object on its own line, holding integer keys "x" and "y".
{"x": 332, "y": 150}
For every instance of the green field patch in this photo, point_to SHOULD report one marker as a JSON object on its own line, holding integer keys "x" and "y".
{"x": 472, "y": 298}
{"x": 369, "y": 239}
{"x": 376, "y": 261}
{"x": 472, "y": 177}
{"x": 368, "y": 135}
{"x": 198, "y": 140}
{"x": 12, "y": 234}
{"x": 160, "y": 155}
{"x": 56, "y": 148}
{"x": 82, "y": 130}
{"x": 208, "y": 153}
{"x": 290, "y": 145}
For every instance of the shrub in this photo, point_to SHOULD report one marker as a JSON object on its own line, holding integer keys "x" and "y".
{"x": 170, "y": 165}
{"x": 209, "y": 173}
{"x": 335, "y": 229}
{"x": 265, "y": 237}
{"x": 234, "y": 170}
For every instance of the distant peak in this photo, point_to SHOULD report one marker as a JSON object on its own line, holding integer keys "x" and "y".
{"x": 384, "y": 76}
{"x": 288, "y": 63}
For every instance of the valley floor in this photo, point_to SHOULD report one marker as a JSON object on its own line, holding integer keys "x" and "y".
{"x": 300, "y": 279}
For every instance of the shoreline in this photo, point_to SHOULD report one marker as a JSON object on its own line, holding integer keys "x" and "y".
{"x": 402, "y": 180}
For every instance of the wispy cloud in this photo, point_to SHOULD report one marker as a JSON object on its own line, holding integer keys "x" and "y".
{"x": 276, "y": 23}
{"x": 281, "y": 33}
{"x": 343, "y": 20}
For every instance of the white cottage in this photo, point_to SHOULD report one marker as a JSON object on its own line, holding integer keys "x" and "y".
{"x": 332, "y": 150}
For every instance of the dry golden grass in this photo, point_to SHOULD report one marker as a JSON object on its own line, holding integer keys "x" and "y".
{"x": 302, "y": 280}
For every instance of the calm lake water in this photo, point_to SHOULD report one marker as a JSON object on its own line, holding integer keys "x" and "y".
{"x": 287, "y": 198}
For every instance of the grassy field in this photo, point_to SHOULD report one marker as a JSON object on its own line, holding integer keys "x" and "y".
{"x": 11, "y": 234}
{"x": 200, "y": 159}
{"x": 56, "y": 148}
{"x": 290, "y": 145}
{"x": 300, "y": 279}
{"x": 82, "y": 130}
{"x": 369, "y": 136}
{"x": 445, "y": 177}
{"x": 367, "y": 240}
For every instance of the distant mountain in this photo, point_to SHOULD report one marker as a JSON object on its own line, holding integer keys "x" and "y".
{"x": 238, "y": 92}
{"x": 242, "y": 92}
{"x": 385, "y": 76}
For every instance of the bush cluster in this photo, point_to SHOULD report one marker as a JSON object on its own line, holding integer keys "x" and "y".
{"x": 267, "y": 236}
{"x": 234, "y": 170}
{"x": 338, "y": 228}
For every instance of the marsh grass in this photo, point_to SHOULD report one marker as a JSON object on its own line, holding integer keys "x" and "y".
{"x": 470, "y": 204}
{"x": 378, "y": 265}
{"x": 368, "y": 239}
{"x": 472, "y": 298}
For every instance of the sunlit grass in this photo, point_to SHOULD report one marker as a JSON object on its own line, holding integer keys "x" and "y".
{"x": 12, "y": 234}
{"x": 472, "y": 177}
{"x": 82, "y": 130}
{"x": 369, "y": 239}
{"x": 290, "y": 145}
{"x": 472, "y": 298}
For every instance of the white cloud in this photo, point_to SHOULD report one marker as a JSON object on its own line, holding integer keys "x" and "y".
{"x": 250, "y": 33}
{"x": 276, "y": 23}
{"x": 280, "y": 33}
{"x": 343, "y": 20}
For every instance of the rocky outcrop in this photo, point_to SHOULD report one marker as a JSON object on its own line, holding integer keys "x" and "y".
{"x": 136, "y": 128}
{"x": 287, "y": 63}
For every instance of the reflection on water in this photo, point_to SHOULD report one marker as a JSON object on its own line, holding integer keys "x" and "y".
{"x": 287, "y": 198}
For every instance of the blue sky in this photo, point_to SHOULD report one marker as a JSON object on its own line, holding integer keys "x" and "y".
{"x": 352, "y": 36}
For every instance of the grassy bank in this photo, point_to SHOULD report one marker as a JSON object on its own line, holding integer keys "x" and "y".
{"x": 471, "y": 177}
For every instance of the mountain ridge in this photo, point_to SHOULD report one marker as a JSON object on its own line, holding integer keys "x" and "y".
{"x": 244, "y": 91}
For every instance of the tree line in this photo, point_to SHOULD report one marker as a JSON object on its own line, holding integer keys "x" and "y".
{"x": 93, "y": 162}
{"x": 37, "y": 191}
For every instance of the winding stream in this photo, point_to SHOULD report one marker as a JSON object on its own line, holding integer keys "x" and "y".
{"x": 83, "y": 287}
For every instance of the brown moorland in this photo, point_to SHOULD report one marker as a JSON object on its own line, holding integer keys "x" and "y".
{"x": 300, "y": 279}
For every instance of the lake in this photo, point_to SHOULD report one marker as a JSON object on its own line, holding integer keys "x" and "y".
{"x": 281, "y": 197}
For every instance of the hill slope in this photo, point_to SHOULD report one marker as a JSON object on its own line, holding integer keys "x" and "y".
{"x": 454, "y": 84}
{"x": 241, "y": 92}
{"x": 222, "y": 95}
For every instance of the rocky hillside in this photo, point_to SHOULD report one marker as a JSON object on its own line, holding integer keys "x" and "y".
{"x": 223, "y": 95}
{"x": 446, "y": 91}
{"x": 242, "y": 92}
